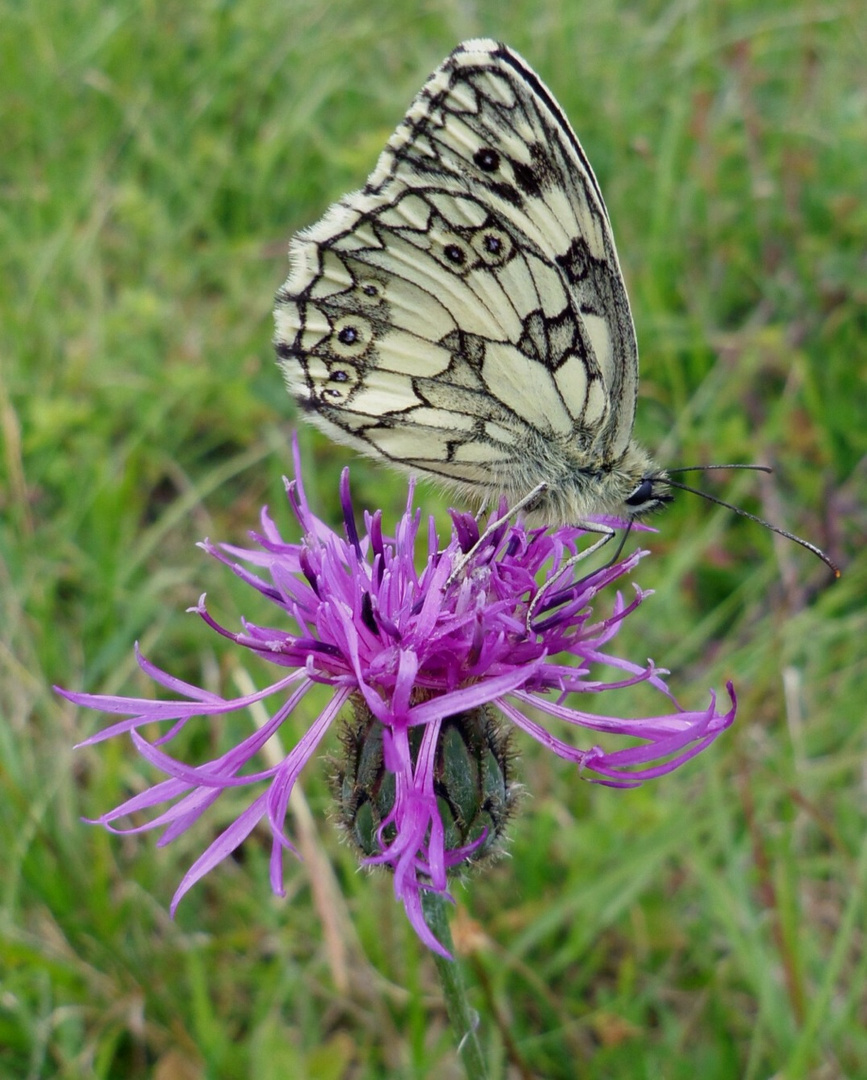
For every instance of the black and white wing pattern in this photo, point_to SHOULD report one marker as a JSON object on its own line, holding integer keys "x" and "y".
{"x": 464, "y": 315}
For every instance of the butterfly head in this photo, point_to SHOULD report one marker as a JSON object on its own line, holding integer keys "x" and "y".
{"x": 649, "y": 494}
{"x": 635, "y": 485}
{"x": 638, "y": 485}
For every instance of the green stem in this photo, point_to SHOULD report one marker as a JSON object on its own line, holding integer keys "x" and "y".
{"x": 463, "y": 1019}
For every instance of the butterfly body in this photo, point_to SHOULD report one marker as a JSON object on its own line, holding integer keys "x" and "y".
{"x": 464, "y": 316}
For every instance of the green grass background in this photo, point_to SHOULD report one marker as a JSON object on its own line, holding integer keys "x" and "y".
{"x": 155, "y": 159}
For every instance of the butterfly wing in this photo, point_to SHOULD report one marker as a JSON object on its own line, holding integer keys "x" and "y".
{"x": 464, "y": 313}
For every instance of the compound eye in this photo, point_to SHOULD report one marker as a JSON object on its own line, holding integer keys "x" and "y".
{"x": 642, "y": 494}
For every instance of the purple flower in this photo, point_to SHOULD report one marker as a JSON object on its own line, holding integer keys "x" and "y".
{"x": 418, "y": 654}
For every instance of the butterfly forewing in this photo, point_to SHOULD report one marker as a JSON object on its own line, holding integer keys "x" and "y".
{"x": 464, "y": 313}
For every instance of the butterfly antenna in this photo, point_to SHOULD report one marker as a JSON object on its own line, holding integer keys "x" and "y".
{"x": 745, "y": 513}
{"x": 711, "y": 468}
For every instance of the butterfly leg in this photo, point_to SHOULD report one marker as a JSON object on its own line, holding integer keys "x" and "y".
{"x": 520, "y": 505}
{"x": 605, "y": 534}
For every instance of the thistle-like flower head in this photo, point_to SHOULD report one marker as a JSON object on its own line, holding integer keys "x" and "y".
{"x": 436, "y": 665}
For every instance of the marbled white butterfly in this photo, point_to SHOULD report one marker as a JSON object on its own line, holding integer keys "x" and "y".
{"x": 464, "y": 316}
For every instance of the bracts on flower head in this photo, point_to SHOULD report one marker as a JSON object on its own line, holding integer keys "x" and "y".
{"x": 473, "y": 782}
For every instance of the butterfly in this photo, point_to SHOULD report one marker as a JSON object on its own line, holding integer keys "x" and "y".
{"x": 464, "y": 316}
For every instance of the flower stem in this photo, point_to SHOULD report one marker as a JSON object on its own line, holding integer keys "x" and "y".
{"x": 464, "y": 1020}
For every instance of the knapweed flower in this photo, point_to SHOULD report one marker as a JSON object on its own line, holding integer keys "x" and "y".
{"x": 428, "y": 659}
